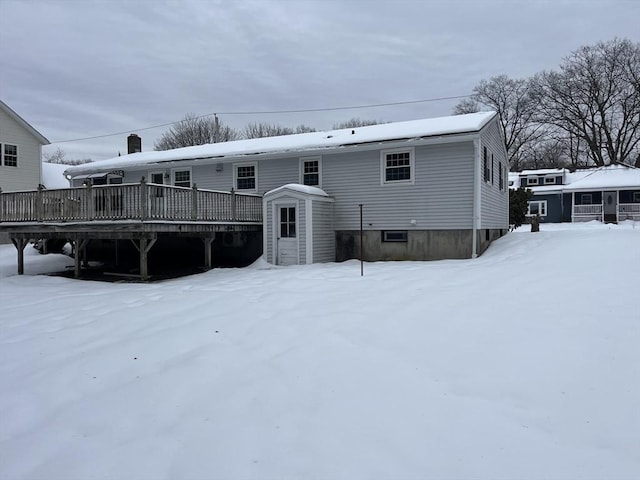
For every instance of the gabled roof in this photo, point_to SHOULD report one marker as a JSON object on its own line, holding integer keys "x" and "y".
{"x": 609, "y": 177}
{"x": 24, "y": 123}
{"x": 299, "y": 143}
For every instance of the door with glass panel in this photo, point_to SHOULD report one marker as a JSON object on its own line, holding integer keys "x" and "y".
{"x": 287, "y": 235}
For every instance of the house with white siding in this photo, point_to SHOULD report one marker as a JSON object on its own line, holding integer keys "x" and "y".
{"x": 429, "y": 189}
{"x": 20, "y": 152}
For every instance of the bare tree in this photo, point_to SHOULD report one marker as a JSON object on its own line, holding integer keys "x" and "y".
{"x": 512, "y": 100}
{"x": 302, "y": 128}
{"x": 355, "y": 122}
{"x": 60, "y": 156}
{"x": 261, "y": 130}
{"x": 595, "y": 99}
{"x": 193, "y": 130}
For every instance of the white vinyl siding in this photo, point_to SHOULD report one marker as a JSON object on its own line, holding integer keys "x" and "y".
{"x": 24, "y": 151}
{"x": 494, "y": 211}
{"x": 440, "y": 198}
{"x": 324, "y": 237}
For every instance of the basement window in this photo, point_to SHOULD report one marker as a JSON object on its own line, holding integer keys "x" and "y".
{"x": 395, "y": 236}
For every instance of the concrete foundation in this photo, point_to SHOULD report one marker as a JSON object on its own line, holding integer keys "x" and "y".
{"x": 420, "y": 244}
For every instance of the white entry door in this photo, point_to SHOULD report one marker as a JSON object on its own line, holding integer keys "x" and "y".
{"x": 287, "y": 238}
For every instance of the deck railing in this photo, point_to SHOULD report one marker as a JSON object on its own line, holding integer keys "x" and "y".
{"x": 141, "y": 201}
{"x": 629, "y": 211}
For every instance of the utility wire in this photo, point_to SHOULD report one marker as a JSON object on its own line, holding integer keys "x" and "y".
{"x": 264, "y": 112}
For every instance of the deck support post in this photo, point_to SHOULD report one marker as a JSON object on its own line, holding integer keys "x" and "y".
{"x": 20, "y": 243}
{"x": 194, "y": 202}
{"x": 80, "y": 246}
{"x": 207, "y": 252}
{"x": 145, "y": 244}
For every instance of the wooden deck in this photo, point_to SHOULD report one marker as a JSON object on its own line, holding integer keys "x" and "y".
{"x": 137, "y": 212}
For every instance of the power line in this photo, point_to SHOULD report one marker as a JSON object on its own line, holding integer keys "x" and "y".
{"x": 271, "y": 112}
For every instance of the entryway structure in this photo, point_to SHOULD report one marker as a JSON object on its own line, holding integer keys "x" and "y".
{"x": 298, "y": 225}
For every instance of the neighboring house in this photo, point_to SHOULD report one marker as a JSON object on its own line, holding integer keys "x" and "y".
{"x": 429, "y": 189}
{"x": 20, "y": 152}
{"x": 609, "y": 194}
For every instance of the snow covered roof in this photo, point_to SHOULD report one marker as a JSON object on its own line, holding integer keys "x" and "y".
{"x": 544, "y": 171}
{"x": 296, "y": 187}
{"x": 53, "y": 175}
{"x": 302, "y": 142}
{"x": 609, "y": 177}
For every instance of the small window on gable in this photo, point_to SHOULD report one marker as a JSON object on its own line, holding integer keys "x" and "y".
{"x": 532, "y": 180}
{"x": 310, "y": 171}
{"x": 9, "y": 155}
{"x": 182, "y": 178}
{"x": 246, "y": 176}
{"x": 586, "y": 199}
{"x": 397, "y": 166}
{"x": 549, "y": 180}
{"x": 395, "y": 236}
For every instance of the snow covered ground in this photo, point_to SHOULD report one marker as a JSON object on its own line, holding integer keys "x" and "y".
{"x": 521, "y": 364}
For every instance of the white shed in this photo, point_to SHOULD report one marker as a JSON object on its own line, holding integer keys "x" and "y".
{"x": 298, "y": 225}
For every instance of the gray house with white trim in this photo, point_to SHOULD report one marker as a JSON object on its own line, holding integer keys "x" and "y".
{"x": 20, "y": 152}
{"x": 429, "y": 189}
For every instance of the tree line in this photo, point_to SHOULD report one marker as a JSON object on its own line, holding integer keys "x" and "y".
{"x": 586, "y": 113}
{"x": 194, "y": 130}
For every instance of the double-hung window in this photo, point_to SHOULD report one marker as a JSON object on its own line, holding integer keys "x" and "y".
{"x": 397, "y": 166}
{"x": 586, "y": 199}
{"x": 9, "y": 155}
{"x": 486, "y": 159}
{"x": 310, "y": 171}
{"x": 182, "y": 177}
{"x": 537, "y": 207}
{"x": 246, "y": 176}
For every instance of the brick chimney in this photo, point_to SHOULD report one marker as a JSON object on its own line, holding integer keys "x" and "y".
{"x": 134, "y": 143}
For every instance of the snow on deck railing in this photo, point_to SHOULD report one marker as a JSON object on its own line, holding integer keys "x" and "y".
{"x": 143, "y": 201}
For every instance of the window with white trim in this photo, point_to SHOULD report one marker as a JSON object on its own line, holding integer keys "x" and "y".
{"x": 487, "y": 168}
{"x": 397, "y": 166}
{"x": 9, "y": 155}
{"x": 245, "y": 176}
{"x": 586, "y": 199}
{"x": 310, "y": 171}
{"x": 182, "y": 178}
{"x": 532, "y": 180}
{"x": 549, "y": 180}
{"x": 537, "y": 207}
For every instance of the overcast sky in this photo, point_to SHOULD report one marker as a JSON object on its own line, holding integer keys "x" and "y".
{"x": 81, "y": 68}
